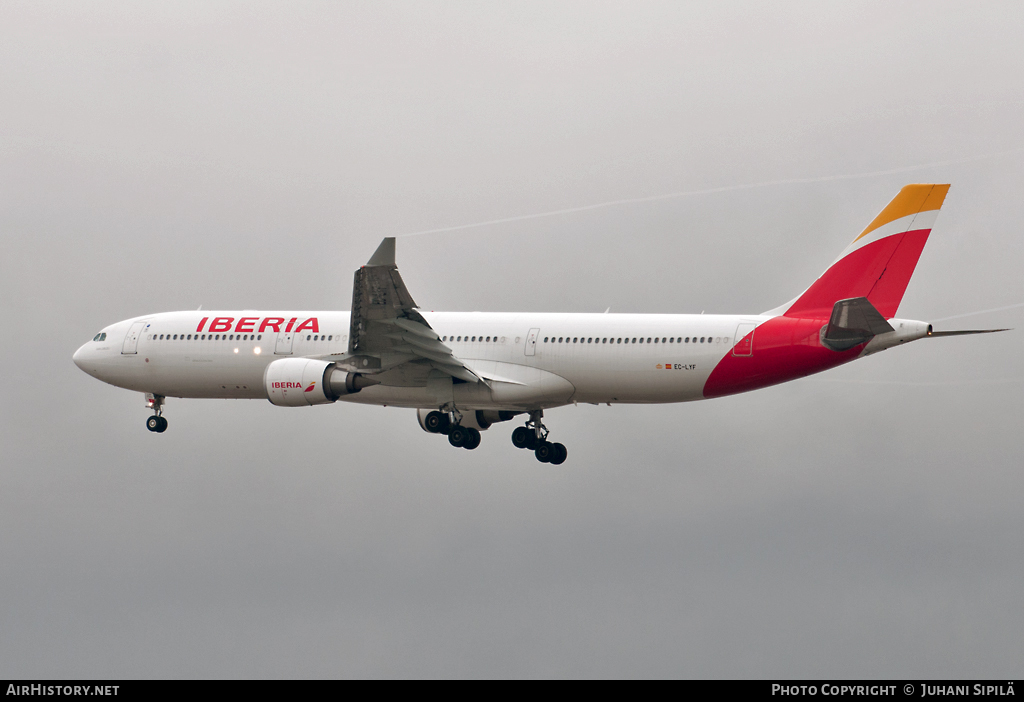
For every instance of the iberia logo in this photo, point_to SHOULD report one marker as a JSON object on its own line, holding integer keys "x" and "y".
{"x": 311, "y": 386}
{"x": 667, "y": 366}
{"x": 659, "y": 366}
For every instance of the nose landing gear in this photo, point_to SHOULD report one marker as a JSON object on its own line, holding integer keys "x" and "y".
{"x": 534, "y": 436}
{"x": 156, "y": 423}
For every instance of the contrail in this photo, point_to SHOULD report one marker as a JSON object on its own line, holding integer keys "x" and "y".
{"x": 709, "y": 191}
{"x": 921, "y": 383}
{"x": 971, "y": 314}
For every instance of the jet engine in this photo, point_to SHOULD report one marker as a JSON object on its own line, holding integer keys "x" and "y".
{"x": 298, "y": 382}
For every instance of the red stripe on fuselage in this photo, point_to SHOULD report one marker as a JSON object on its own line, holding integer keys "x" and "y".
{"x": 879, "y": 271}
{"x": 784, "y": 348}
{"x": 789, "y": 347}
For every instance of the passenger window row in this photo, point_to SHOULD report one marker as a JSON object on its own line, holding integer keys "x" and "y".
{"x": 604, "y": 340}
{"x": 202, "y": 337}
{"x": 219, "y": 337}
{"x": 635, "y": 340}
{"x": 486, "y": 339}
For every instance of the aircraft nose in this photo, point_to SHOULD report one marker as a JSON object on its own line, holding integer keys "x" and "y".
{"x": 79, "y": 357}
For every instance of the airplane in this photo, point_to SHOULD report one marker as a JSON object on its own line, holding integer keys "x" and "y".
{"x": 466, "y": 371}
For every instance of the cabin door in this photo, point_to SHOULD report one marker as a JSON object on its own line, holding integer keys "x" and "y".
{"x": 531, "y": 342}
{"x": 131, "y": 341}
{"x": 744, "y": 340}
{"x": 284, "y": 343}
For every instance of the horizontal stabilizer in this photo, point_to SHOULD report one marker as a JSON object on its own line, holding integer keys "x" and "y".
{"x": 854, "y": 321}
{"x": 962, "y": 332}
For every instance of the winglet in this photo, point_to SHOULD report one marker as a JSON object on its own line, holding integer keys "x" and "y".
{"x": 385, "y": 253}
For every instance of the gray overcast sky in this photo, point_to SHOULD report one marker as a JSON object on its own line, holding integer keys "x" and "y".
{"x": 866, "y": 522}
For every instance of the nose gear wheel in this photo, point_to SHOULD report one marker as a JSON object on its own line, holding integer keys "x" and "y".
{"x": 156, "y": 423}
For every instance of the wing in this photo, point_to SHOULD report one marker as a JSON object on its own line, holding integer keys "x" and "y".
{"x": 387, "y": 330}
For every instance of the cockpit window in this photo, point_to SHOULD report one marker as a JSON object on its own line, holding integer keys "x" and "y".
{"x": 102, "y": 336}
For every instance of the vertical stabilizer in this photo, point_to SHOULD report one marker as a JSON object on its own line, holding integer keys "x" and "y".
{"x": 879, "y": 262}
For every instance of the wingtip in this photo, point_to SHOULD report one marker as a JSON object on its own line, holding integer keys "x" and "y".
{"x": 385, "y": 253}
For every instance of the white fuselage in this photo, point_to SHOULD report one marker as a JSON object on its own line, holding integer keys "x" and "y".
{"x": 539, "y": 360}
{"x": 389, "y": 351}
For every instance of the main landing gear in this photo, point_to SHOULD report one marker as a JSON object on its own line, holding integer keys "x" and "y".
{"x": 458, "y": 436}
{"x": 156, "y": 423}
{"x": 534, "y": 436}
{"x": 464, "y": 437}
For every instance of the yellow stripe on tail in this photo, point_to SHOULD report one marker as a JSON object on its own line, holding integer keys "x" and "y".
{"x": 912, "y": 199}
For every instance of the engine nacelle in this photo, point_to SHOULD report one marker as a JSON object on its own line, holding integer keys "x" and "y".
{"x": 298, "y": 382}
{"x": 479, "y": 419}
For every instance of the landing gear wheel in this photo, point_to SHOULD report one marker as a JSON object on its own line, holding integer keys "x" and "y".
{"x": 474, "y": 439}
{"x": 558, "y": 454}
{"x": 436, "y": 422}
{"x": 522, "y": 437}
{"x": 154, "y": 423}
{"x": 458, "y": 436}
{"x": 544, "y": 452}
{"x": 163, "y": 425}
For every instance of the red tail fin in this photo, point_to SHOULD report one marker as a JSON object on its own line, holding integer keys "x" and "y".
{"x": 879, "y": 262}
